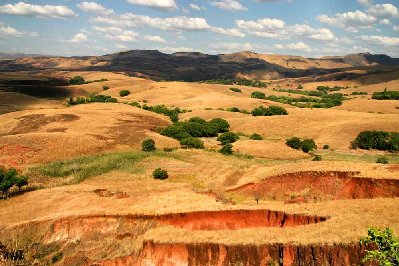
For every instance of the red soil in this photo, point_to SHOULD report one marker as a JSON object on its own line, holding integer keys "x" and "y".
{"x": 236, "y": 219}
{"x": 14, "y": 155}
{"x": 321, "y": 186}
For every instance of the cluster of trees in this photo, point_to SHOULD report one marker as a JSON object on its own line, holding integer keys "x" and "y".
{"x": 258, "y": 95}
{"x": 379, "y": 140}
{"x": 327, "y": 101}
{"x": 173, "y": 113}
{"x": 386, "y": 95}
{"x": 326, "y": 89}
{"x": 236, "y": 90}
{"x": 92, "y": 99}
{"x": 9, "y": 178}
{"x": 124, "y": 93}
{"x": 237, "y": 110}
{"x": 269, "y": 111}
{"x": 305, "y": 145}
{"x": 243, "y": 82}
{"x": 79, "y": 80}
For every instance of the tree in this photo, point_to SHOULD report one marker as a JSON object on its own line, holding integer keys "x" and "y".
{"x": 227, "y": 149}
{"x": 382, "y": 160}
{"x": 192, "y": 143}
{"x": 77, "y": 80}
{"x": 222, "y": 124}
{"x": 105, "y": 88}
{"x": 7, "y": 180}
{"x": 385, "y": 244}
{"x": 148, "y": 145}
{"x": 21, "y": 181}
{"x": 308, "y": 145}
{"x": 256, "y": 136}
{"x": 228, "y": 137}
{"x": 258, "y": 95}
{"x": 294, "y": 143}
{"x": 124, "y": 93}
{"x": 160, "y": 174}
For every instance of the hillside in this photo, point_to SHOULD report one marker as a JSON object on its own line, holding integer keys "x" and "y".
{"x": 197, "y": 66}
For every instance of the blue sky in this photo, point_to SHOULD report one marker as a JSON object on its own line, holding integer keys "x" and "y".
{"x": 310, "y": 28}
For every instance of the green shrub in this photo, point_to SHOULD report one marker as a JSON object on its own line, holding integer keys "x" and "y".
{"x": 382, "y": 160}
{"x": 227, "y": 149}
{"x": 192, "y": 143}
{"x": 258, "y": 95}
{"x": 300, "y": 87}
{"x": 160, "y": 174}
{"x": 57, "y": 257}
{"x": 92, "y": 99}
{"x": 124, "y": 93}
{"x": 77, "y": 80}
{"x": 176, "y": 131}
{"x": 317, "y": 158}
{"x": 221, "y": 124}
{"x": 326, "y": 147}
{"x": 148, "y": 145}
{"x": 379, "y": 140}
{"x": 244, "y": 82}
{"x": 7, "y": 180}
{"x": 386, "y": 95}
{"x": 228, "y": 137}
{"x": 384, "y": 245}
{"x": 105, "y": 88}
{"x": 197, "y": 120}
{"x": 269, "y": 111}
{"x": 256, "y": 136}
{"x": 236, "y": 90}
{"x": 21, "y": 181}
{"x": 167, "y": 149}
{"x": 162, "y": 109}
{"x": 308, "y": 145}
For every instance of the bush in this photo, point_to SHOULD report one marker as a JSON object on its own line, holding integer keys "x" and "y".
{"x": 105, "y": 88}
{"x": 192, "y": 143}
{"x": 197, "y": 120}
{"x": 236, "y": 90}
{"x": 167, "y": 149}
{"x": 326, "y": 147}
{"x": 270, "y": 111}
{"x": 294, "y": 143}
{"x": 317, "y": 158}
{"x": 256, "y": 136}
{"x": 308, "y": 145}
{"x": 258, "y": 95}
{"x": 148, "y": 145}
{"x": 221, "y": 124}
{"x": 162, "y": 109}
{"x": 227, "y": 149}
{"x": 386, "y": 95}
{"x": 92, "y": 99}
{"x": 160, "y": 174}
{"x": 228, "y": 137}
{"x": 382, "y": 160}
{"x": 77, "y": 80}
{"x": 176, "y": 131}
{"x": 384, "y": 244}
{"x": 21, "y": 181}
{"x": 379, "y": 140}
{"x": 124, "y": 93}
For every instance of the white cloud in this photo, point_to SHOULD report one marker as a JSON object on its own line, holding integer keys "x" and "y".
{"x": 44, "y": 11}
{"x": 380, "y": 40}
{"x": 95, "y": 8}
{"x": 10, "y": 31}
{"x": 277, "y": 29}
{"x": 385, "y": 21}
{"x": 366, "y": 3}
{"x": 384, "y": 10}
{"x": 229, "y": 5}
{"x": 230, "y": 47}
{"x": 154, "y": 38}
{"x": 121, "y": 46}
{"x": 351, "y": 21}
{"x": 166, "y": 5}
{"x": 111, "y": 29}
{"x": 396, "y": 28}
{"x": 195, "y": 7}
{"x": 300, "y": 46}
{"x": 125, "y": 36}
{"x": 175, "y": 49}
{"x": 171, "y": 24}
{"x": 230, "y": 32}
{"x": 79, "y": 38}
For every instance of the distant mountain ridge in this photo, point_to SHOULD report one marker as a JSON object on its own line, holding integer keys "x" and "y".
{"x": 10, "y": 56}
{"x": 195, "y": 66}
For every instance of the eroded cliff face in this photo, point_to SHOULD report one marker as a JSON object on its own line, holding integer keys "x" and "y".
{"x": 321, "y": 186}
{"x": 223, "y": 255}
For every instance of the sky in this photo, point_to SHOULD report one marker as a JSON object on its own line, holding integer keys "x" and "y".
{"x": 311, "y": 28}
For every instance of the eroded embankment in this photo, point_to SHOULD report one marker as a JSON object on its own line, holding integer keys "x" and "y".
{"x": 236, "y": 219}
{"x": 219, "y": 254}
{"x": 321, "y": 186}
